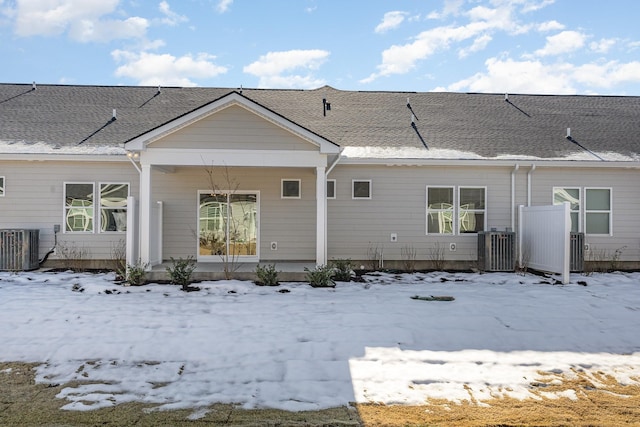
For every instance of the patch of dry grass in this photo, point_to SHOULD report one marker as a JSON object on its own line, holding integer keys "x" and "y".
{"x": 594, "y": 399}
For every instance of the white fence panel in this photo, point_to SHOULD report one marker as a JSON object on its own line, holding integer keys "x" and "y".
{"x": 545, "y": 238}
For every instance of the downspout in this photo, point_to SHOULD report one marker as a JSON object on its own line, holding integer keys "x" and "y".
{"x": 326, "y": 222}
{"x": 513, "y": 196}
{"x": 533, "y": 168}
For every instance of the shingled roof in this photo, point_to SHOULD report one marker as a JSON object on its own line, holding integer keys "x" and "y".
{"x": 64, "y": 118}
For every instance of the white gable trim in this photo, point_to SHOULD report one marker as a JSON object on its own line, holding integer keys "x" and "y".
{"x": 233, "y": 99}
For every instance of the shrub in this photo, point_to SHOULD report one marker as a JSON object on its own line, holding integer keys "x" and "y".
{"x": 267, "y": 276}
{"x": 321, "y": 276}
{"x": 136, "y": 273}
{"x": 181, "y": 270}
{"x": 343, "y": 270}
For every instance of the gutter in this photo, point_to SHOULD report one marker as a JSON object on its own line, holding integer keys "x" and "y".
{"x": 513, "y": 196}
{"x": 533, "y": 168}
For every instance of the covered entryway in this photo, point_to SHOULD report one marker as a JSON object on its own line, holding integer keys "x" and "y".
{"x": 265, "y": 149}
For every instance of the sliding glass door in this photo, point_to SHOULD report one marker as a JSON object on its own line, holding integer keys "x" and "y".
{"x": 228, "y": 226}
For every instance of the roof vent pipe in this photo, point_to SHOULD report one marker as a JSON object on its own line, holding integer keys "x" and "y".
{"x": 159, "y": 89}
{"x": 568, "y": 133}
{"x": 33, "y": 86}
{"x": 506, "y": 97}
{"x": 114, "y": 115}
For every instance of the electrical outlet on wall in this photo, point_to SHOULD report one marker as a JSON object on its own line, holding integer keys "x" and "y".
{"x": 274, "y": 246}
{"x": 452, "y": 247}
{"x": 394, "y": 237}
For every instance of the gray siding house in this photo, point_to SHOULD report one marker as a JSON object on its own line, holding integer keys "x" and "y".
{"x": 307, "y": 176}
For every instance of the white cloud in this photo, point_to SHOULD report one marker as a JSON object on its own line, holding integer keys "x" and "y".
{"x": 534, "y": 76}
{"x": 550, "y": 26}
{"x": 83, "y": 20}
{"x": 400, "y": 59}
{"x": 508, "y": 76}
{"x": 271, "y": 68}
{"x": 171, "y": 18}
{"x": 564, "y": 42}
{"x": 602, "y": 45}
{"x": 532, "y": 6}
{"x": 164, "y": 69}
{"x": 451, "y": 7}
{"x": 390, "y": 21}
{"x": 224, "y": 5}
{"x": 480, "y": 43}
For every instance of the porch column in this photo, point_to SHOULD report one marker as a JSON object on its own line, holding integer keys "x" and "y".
{"x": 145, "y": 215}
{"x": 321, "y": 216}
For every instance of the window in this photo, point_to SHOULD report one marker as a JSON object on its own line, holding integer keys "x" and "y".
{"x": 440, "y": 210}
{"x": 290, "y": 189}
{"x": 471, "y": 209}
{"x": 597, "y": 216}
{"x": 361, "y": 189}
{"x": 113, "y": 207}
{"x": 1, "y": 186}
{"x": 78, "y": 207}
{"x": 571, "y": 195}
{"x": 331, "y": 189}
{"x": 595, "y": 210}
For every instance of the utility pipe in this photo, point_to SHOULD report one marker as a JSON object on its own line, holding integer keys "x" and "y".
{"x": 513, "y": 196}
{"x": 533, "y": 168}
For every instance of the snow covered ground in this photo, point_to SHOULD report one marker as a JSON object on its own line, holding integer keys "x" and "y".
{"x": 294, "y": 347}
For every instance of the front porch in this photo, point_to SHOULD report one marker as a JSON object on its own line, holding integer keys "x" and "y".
{"x": 287, "y": 271}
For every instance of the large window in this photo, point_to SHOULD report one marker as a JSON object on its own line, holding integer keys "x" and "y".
{"x": 78, "y": 206}
{"x": 445, "y": 215}
{"x": 113, "y": 206}
{"x": 594, "y": 212}
{"x": 440, "y": 210}
{"x": 1, "y": 186}
{"x": 471, "y": 210}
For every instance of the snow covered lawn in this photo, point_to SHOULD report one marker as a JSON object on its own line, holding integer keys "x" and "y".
{"x": 294, "y": 347}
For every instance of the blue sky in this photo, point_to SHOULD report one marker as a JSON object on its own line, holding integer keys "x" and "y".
{"x": 515, "y": 46}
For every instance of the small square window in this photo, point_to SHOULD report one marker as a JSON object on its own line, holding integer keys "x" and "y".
{"x": 1, "y": 186}
{"x": 331, "y": 189}
{"x": 361, "y": 189}
{"x": 290, "y": 188}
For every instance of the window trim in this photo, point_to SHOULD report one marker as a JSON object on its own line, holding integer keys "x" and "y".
{"x": 283, "y": 180}
{"x": 334, "y": 189}
{"x": 100, "y": 207}
{"x": 353, "y": 189}
{"x": 609, "y": 212}
{"x": 2, "y": 186}
{"x": 65, "y": 207}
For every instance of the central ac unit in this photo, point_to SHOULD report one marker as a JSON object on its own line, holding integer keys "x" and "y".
{"x": 19, "y": 250}
{"x": 496, "y": 251}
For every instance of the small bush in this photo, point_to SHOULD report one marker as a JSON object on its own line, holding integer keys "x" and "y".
{"x": 321, "y": 276}
{"x": 136, "y": 274}
{"x": 181, "y": 270}
{"x": 343, "y": 270}
{"x": 267, "y": 276}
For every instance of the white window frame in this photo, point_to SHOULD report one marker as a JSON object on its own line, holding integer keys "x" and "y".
{"x": 609, "y": 212}
{"x": 474, "y": 211}
{"x": 65, "y": 209}
{"x": 580, "y": 202}
{"x": 333, "y": 181}
{"x": 282, "y": 181}
{"x": 101, "y": 208}
{"x": 441, "y": 211}
{"x": 353, "y": 189}
{"x": 2, "y": 185}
